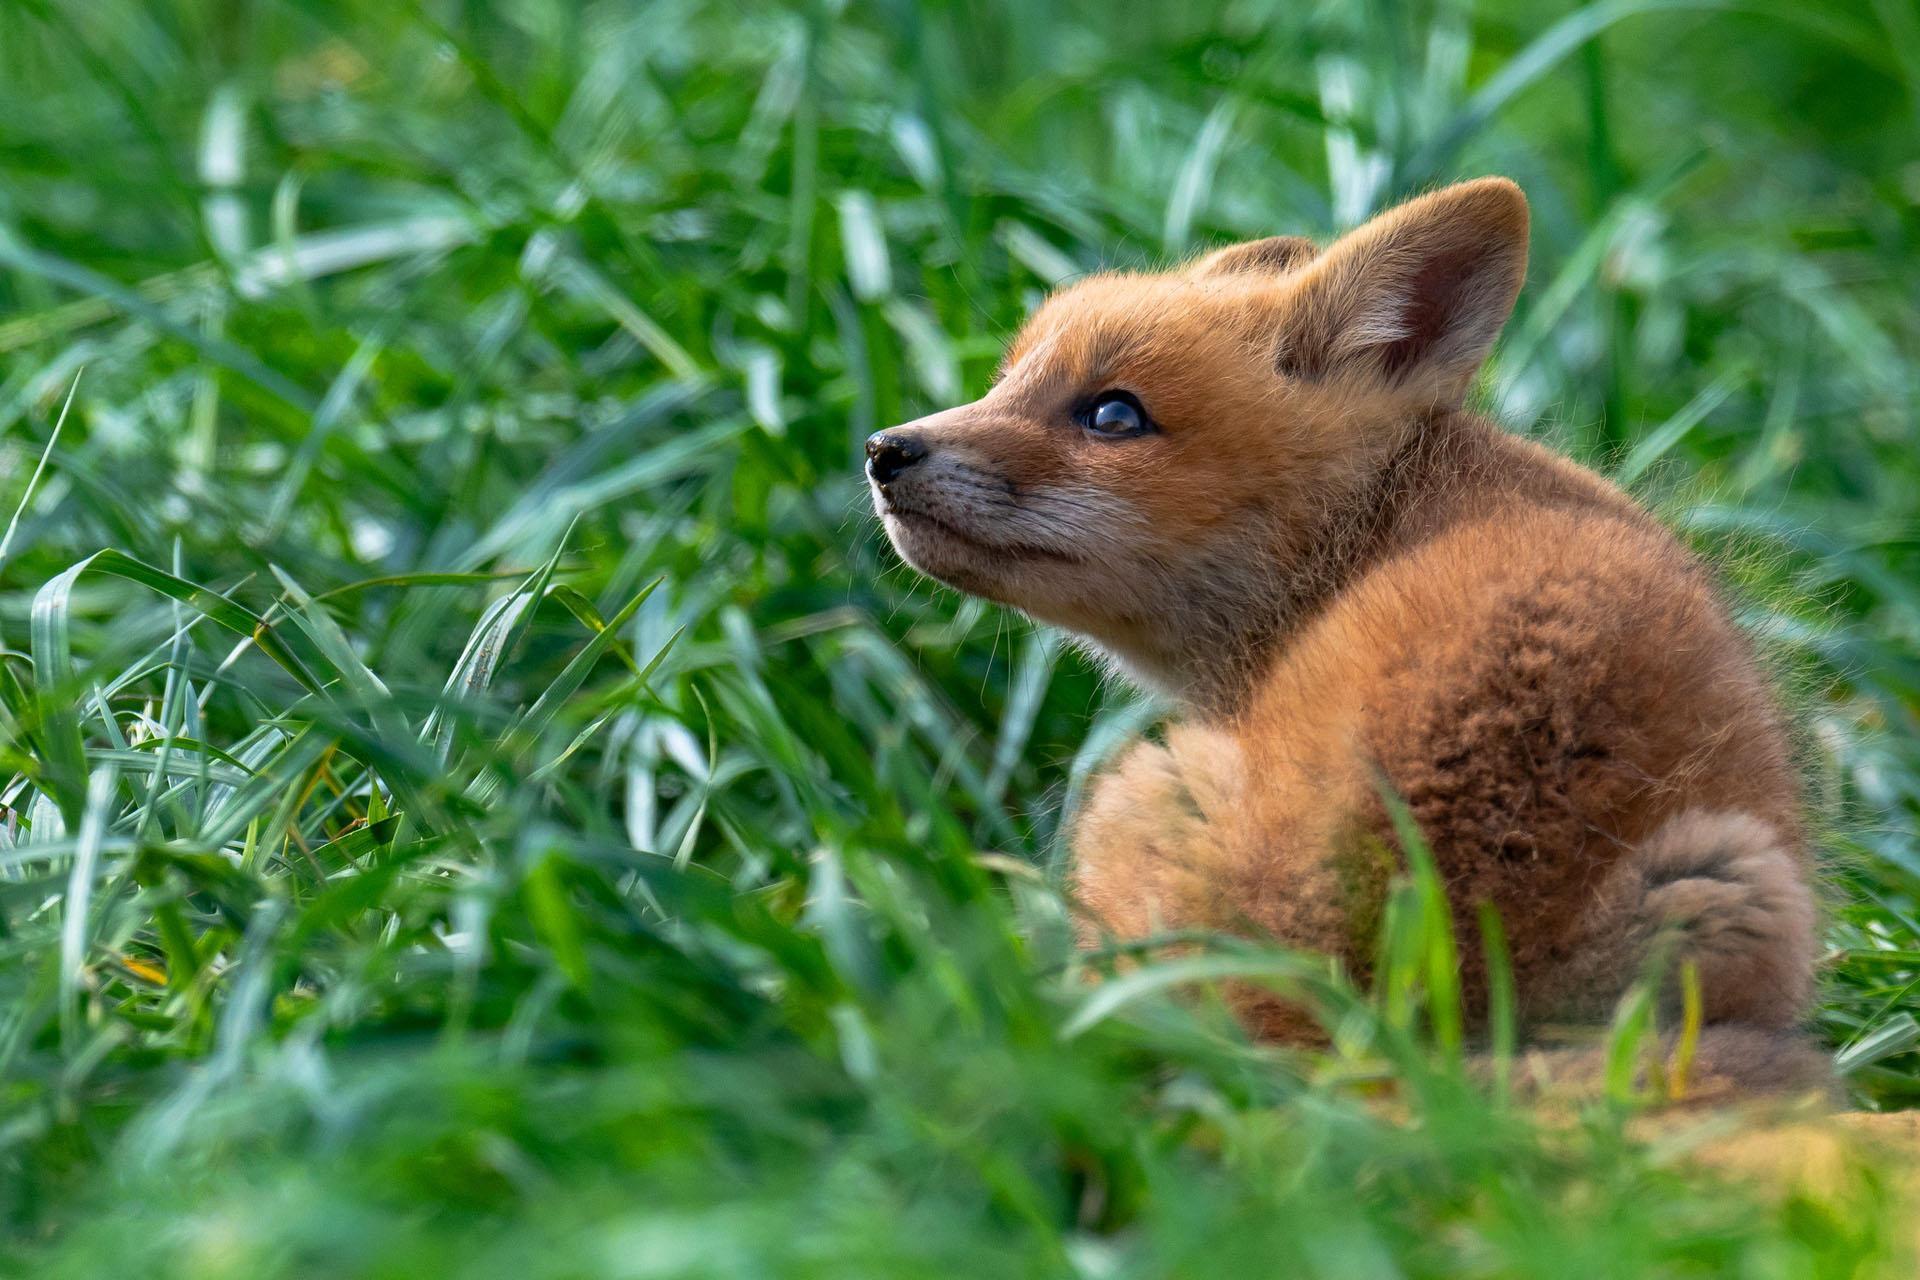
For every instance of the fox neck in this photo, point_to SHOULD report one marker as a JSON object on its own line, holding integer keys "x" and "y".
{"x": 1223, "y": 618}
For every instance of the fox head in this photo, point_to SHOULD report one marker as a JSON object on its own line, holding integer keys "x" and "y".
{"x": 1164, "y": 459}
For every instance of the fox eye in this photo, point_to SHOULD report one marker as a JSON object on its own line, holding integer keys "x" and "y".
{"x": 1115, "y": 414}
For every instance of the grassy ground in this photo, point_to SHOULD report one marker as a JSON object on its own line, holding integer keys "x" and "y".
{"x": 479, "y": 798}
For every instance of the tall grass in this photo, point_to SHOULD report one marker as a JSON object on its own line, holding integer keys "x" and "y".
{"x": 479, "y": 798}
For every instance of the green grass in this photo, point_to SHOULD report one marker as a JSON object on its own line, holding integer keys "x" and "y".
{"x": 478, "y": 796}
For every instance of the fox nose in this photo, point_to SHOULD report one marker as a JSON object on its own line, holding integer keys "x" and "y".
{"x": 890, "y": 452}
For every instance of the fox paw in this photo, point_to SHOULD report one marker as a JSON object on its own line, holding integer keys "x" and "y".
{"x": 1151, "y": 829}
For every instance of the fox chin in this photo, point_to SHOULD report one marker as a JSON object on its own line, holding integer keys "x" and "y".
{"x": 1252, "y": 482}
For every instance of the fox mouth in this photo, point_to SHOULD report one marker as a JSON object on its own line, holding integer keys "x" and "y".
{"x": 910, "y": 517}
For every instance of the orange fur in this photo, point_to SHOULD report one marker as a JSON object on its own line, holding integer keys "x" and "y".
{"x": 1343, "y": 577}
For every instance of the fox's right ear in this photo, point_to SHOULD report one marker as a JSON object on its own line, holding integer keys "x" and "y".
{"x": 1415, "y": 297}
{"x": 1271, "y": 256}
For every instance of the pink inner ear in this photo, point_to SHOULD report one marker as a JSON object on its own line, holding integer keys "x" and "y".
{"x": 1437, "y": 306}
{"x": 1438, "y": 297}
{"x": 1418, "y": 294}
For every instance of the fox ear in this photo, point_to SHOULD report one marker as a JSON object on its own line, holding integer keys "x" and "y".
{"x": 1415, "y": 297}
{"x": 1272, "y": 256}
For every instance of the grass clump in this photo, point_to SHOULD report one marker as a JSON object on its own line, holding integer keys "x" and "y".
{"x": 477, "y": 798}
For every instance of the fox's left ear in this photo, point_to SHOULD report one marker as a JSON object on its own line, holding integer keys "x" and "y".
{"x": 1272, "y": 256}
{"x": 1415, "y": 297}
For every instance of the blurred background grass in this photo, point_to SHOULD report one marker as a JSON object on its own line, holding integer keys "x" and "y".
{"x": 391, "y": 884}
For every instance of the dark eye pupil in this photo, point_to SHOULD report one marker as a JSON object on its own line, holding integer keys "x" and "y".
{"x": 1115, "y": 413}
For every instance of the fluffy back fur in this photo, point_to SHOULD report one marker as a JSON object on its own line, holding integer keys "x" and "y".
{"x": 1341, "y": 576}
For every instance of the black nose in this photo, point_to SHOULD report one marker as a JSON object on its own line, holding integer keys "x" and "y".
{"x": 891, "y": 452}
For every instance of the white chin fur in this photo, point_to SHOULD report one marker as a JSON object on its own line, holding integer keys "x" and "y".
{"x": 1031, "y": 549}
{"x": 938, "y": 554}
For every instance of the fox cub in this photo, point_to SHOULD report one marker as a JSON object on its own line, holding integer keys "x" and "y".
{"x": 1250, "y": 482}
